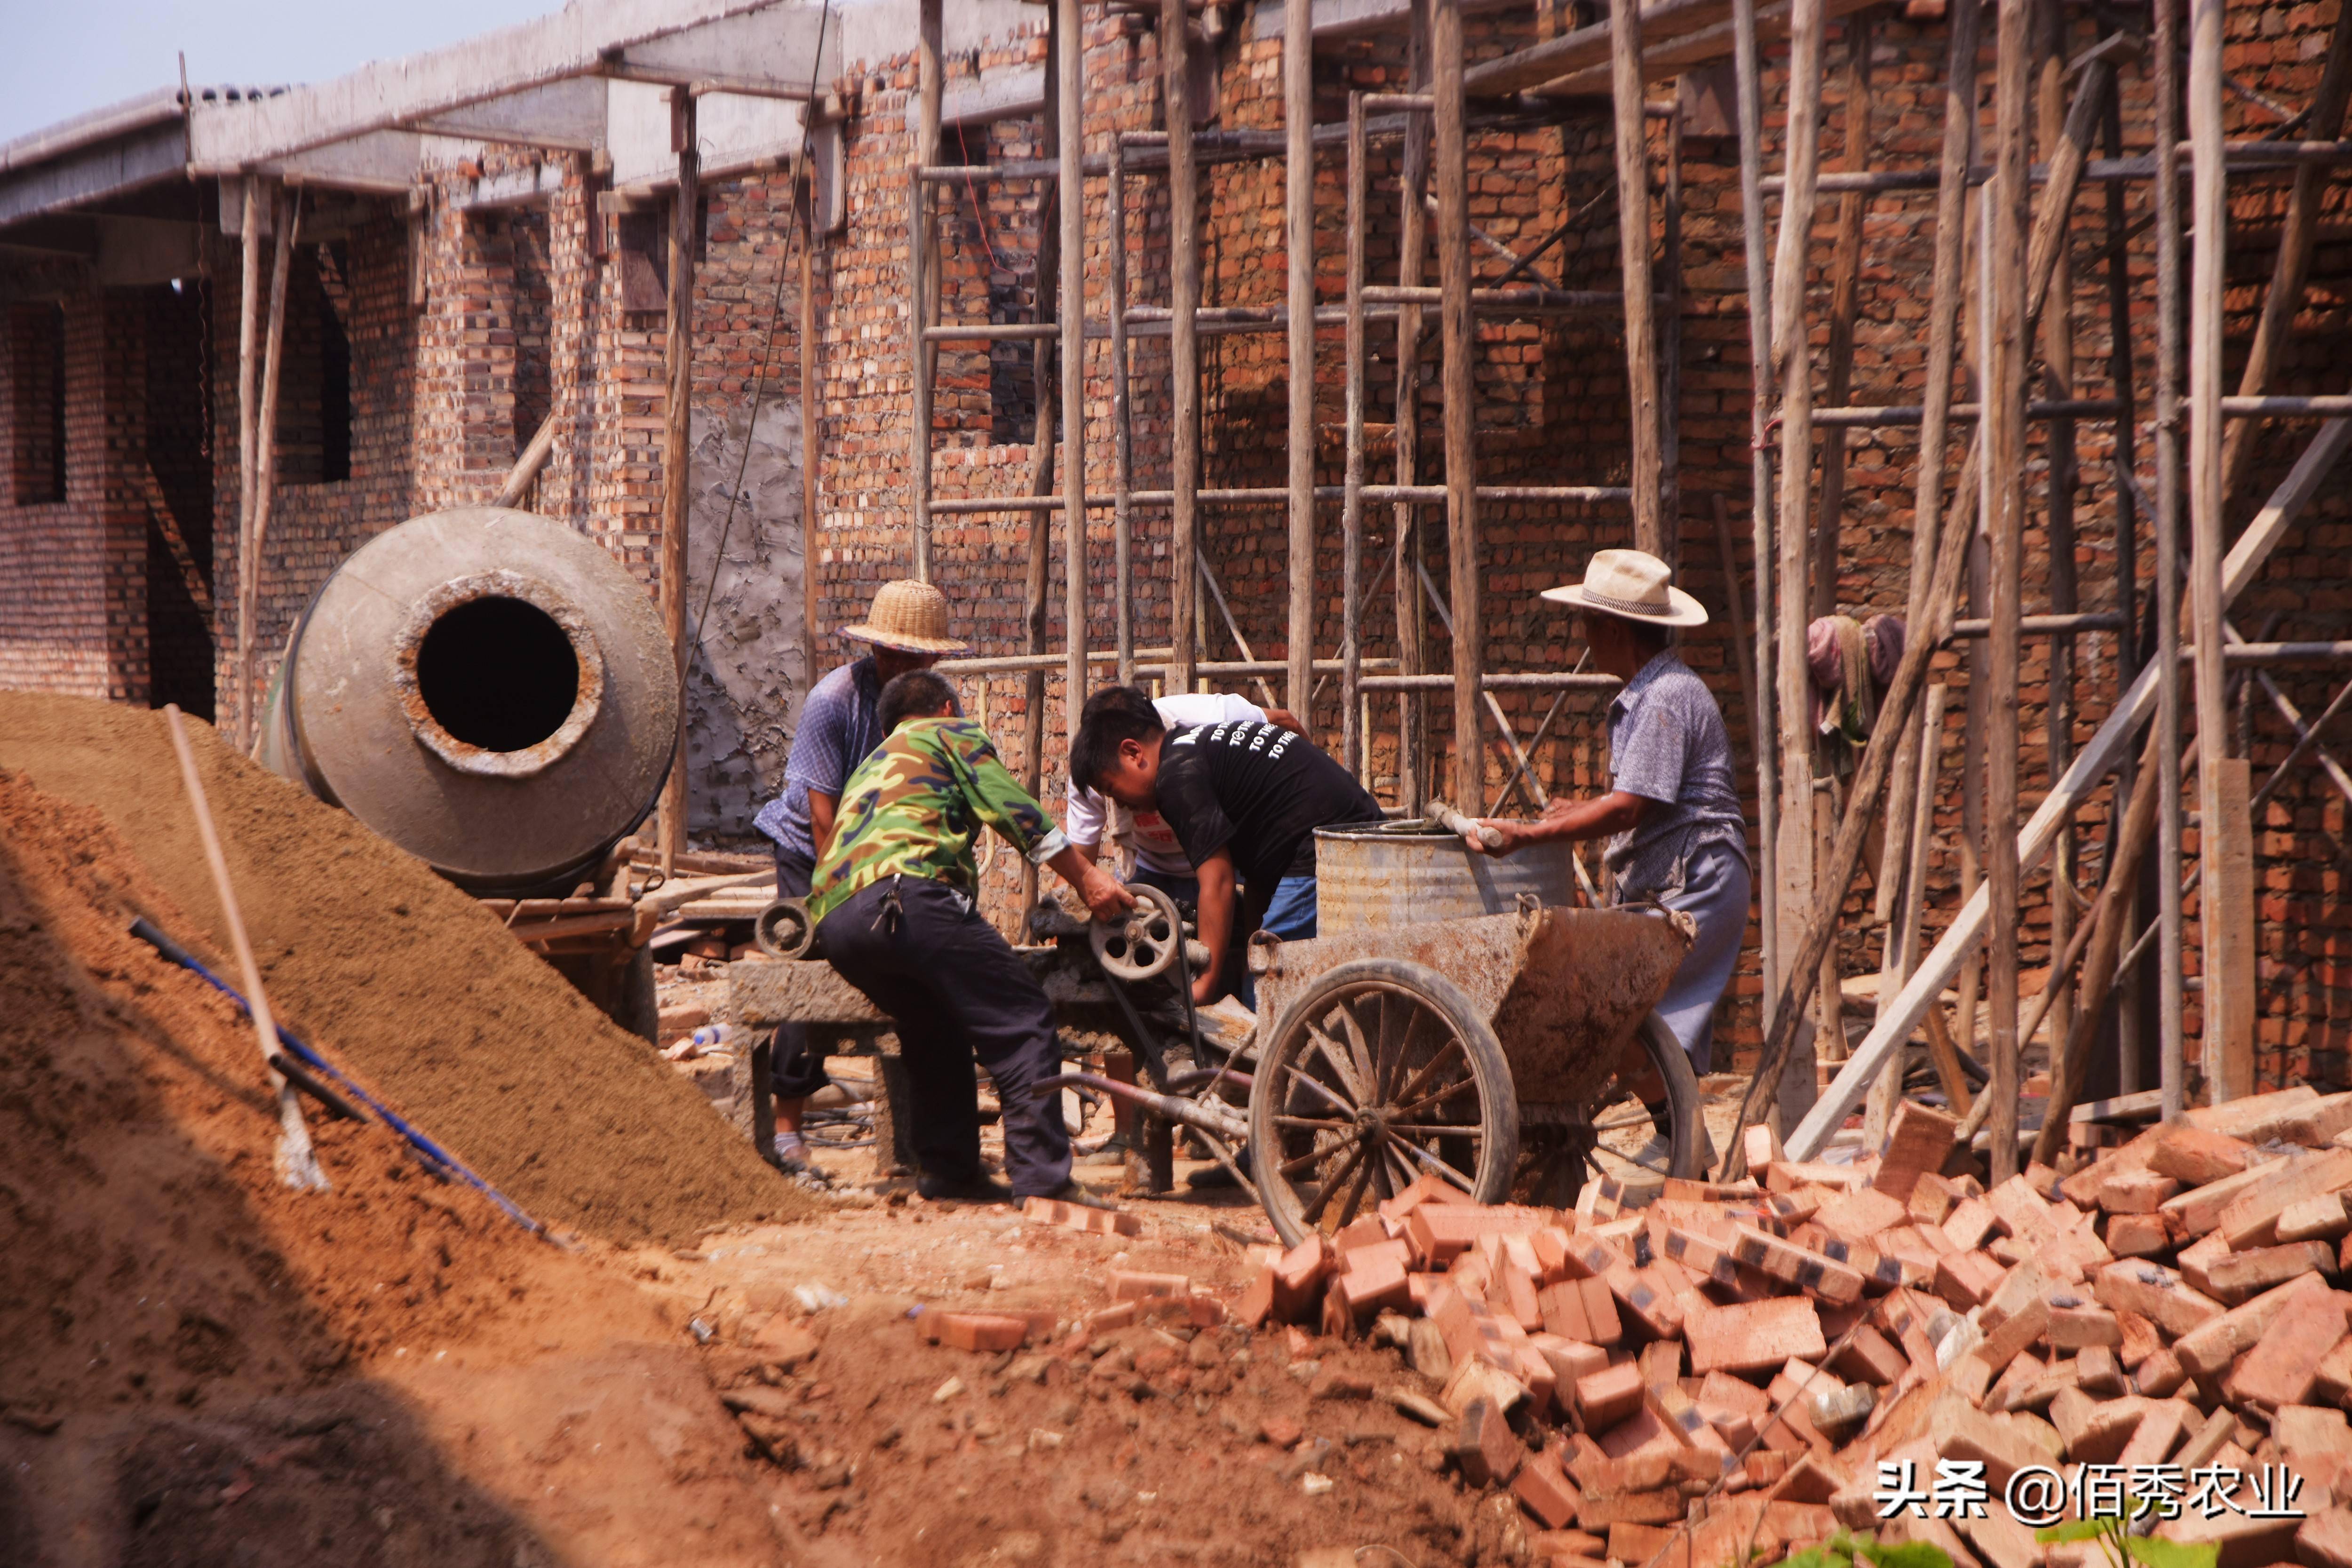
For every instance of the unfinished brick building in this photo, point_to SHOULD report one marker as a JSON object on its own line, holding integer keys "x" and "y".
{"x": 481, "y": 250}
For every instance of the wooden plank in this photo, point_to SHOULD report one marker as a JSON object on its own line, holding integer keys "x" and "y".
{"x": 2227, "y": 833}
{"x": 1676, "y": 56}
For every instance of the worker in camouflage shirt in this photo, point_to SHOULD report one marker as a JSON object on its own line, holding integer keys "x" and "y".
{"x": 893, "y": 902}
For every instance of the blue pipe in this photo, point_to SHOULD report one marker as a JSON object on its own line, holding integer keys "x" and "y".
{"x": 433, "y": 1154}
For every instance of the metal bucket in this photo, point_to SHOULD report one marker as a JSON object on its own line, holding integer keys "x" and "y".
{"x": 1406, "y": 873}
{"x": 488, "y": 690}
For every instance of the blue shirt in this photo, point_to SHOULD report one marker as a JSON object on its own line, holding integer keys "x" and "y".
{"x": 839, "y": 729}
{"x": 1668, "y": 744}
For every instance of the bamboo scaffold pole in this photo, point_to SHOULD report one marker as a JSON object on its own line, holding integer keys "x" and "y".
{"x": 1035, "y": 586}
{"x": 1121, "y": 417}
{"x": 678, "y": 450}
{"x": 1298, "y": 240}
{"x": 1413, "y": 243}
{"x": 1183, "y": 343}
{"x": 1351, "y": 732}
{"x": 1460, "y": 397}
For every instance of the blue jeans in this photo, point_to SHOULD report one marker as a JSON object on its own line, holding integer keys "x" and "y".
{"x": 1290, "y": 916}
{"x": 1183, "y": 889}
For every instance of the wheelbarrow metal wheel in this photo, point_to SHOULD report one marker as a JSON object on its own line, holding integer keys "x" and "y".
{"x": 1617, "y": 1130}
{"x": 1379, "y": 1072}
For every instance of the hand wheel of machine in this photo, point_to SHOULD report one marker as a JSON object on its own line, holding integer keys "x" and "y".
{"x": 783, "y": 928}
{"x": 1143, "y": 944}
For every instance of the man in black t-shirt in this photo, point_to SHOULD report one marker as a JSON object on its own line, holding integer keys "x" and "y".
{"x": 1244, "y": 799}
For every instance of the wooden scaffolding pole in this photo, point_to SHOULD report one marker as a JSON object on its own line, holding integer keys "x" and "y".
{"x": 1793, "y": 373}
{"x": 1459, "y": 398}
{"x": 2228, "y": 1060}
{"x": 1632, "y": 139}
{"x": 1034, "y": 588}
{"x": 2003, "y": 432}
{"x": 1122, "y": 421}
{"x": 248, "y": 333}
{"x": 678, "y": 453}
{"x": 812, "y": 449}
{"x": 1351, "y": 653}
{"x": 1762, "y": 723}
{"x": 1298, "y": 242}
{"x": 2124, "y": 461}
{"x": 1070, "y": 76}
{"x": 922, "y": 358}
{"x": 1845, "y": 304}
{"x": 1183, "y": 345}
{"x": 1412, "y": 617}
{"x": 2051, "y": 126}
{"x": 2171, "y": 989}
{"x": 285, "y": 205}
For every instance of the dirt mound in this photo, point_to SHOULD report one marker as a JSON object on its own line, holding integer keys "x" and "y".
{"x": 404, "y": 983}
{"x": 198, "y": 1366}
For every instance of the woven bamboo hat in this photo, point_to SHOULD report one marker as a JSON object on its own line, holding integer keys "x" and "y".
{"x": 909, "y": 616}
{"x": 1632, "y": 585}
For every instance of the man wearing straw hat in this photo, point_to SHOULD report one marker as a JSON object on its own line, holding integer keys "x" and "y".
{"x": 906, "y": 628}
{"x": 1671, "y": 814}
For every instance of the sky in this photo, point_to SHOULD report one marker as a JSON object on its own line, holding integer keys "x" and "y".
{"x": 66, "y": 57}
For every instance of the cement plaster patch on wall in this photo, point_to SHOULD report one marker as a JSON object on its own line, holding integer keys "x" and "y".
{"x": 750, "y": 669}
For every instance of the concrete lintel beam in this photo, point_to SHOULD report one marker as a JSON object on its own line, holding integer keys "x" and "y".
{"x": 564, "y": 116}
{"x": 95, "y": 171}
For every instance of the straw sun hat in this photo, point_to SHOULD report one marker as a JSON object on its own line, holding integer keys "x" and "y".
{"x": 1632, "y": 585}
{"x": 909, "y": 616}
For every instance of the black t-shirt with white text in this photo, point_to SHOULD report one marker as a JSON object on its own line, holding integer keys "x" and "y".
{"x": 1260, "y": 792}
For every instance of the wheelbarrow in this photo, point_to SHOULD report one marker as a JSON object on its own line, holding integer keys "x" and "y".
{"x": 1455, "y": 1019}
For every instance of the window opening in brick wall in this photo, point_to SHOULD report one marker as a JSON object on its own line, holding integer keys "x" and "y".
{"x": 36, "y": 339}
{"x": 989, "y": 234}
{"x": 314, "y": 368}
{"x": 533, "y": 322}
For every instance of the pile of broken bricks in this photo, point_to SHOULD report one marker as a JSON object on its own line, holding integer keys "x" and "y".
{"x": 1697, "y": 1373}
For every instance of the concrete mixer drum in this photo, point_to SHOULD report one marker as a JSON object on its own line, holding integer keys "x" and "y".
{"x": 487, "y": 689}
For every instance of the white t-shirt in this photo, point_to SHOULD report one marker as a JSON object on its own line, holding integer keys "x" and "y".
{"x": 1155, "y": 842}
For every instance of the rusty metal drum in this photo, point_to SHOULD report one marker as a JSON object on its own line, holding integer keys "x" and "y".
{"x": 1401, "y": 874}
{"x": 487, "y": 689}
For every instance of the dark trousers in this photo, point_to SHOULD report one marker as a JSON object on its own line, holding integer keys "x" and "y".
{"x": 956, "y": 991}
{"x": 797, "y": 1072}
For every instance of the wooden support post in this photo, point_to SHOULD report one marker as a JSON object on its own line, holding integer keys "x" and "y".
{"x": 812, "y": 449}
{"x": 1763, "y": 723}
{"x": 1412, "y": 241}
{"x": 1298, "y": 242}
{"x": 1351, "y": 654}
{"x": 1670, "y": 351}
{"x": 287, "y": 210}
{"x": 678, "y": 450}
{"x": 2227, "y": 1076}
{"x": 1845, "y": 303}
{"x": 1743, "y": 651}
{"x": 248, "y": 333}
{"x": 2058, "y": 368}
{"x": 2166, "y": 77}
{"x": 922, "y": 270}
{"x": 1184, "y": 344}
{"x": 2130, "y": 1008}
{"x": 1460, "y": 397}
{"x": 1632, "y": 139}
{"x": 1122, "y": 424}
{"x": 1943, "y": 339}
{"x": 2226, "y": 905}
{"x": 2004, "y": 435}
{"x": 1793, "y": 373}
{"x": 1070, "y": 79}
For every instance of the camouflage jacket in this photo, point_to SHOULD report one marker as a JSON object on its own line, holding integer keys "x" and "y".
{"x": 914, "y": 808}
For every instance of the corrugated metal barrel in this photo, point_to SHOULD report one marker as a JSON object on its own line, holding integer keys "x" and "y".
{"x": 487, "y": 689}
{"x": 1402, "y": 873}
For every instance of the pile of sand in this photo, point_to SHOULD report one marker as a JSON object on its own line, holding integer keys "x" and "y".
{"x": 199, "y": 1366}
{"x": 404, "y": 983}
